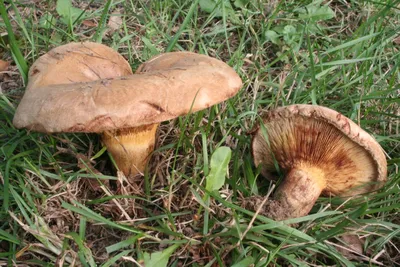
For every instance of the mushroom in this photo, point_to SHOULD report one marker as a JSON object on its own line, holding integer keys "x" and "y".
{"x": 127, "y": 110}
{"x": 319, "y": 151}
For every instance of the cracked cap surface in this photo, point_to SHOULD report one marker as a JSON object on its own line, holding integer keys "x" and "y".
{"x": 77, "y": 62}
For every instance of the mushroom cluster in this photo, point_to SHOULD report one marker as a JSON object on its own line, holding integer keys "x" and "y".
{"x": 88, "y": 87}
{"x": 318, "y": 151}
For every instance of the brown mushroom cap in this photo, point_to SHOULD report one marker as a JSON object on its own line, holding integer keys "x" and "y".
{"x": 167, "y": 86}
{"x": 77, "y": 62}
{"x": 320, "y": 139}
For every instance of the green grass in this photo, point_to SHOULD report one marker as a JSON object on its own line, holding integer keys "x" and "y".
{"x": 344, "y": 55}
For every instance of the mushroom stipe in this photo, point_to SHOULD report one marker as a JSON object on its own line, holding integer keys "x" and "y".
{"x": 131, "y": 147}
{"x": 319, "y": 151}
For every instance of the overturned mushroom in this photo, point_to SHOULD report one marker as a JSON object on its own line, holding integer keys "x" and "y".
{"x": 127, "y": 110}
{"x": 319, "y": 151}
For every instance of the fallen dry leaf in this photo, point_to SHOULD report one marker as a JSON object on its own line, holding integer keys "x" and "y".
{"x": 115, "y": 21}
{"x": 89, "y": 23}
{"x": 4, "y": 65}
{"x": 397, "y": 40}
{"x": 351, "y": 244}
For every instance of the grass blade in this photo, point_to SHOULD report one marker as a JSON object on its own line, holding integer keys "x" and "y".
{"x": 185, "y": 22}
{"x": 16, "y": 52}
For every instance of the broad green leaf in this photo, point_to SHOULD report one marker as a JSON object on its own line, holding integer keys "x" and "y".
{"x": 67, "y": 12}
{"x": 272, "y": 36}
{"x": 316, "y": 12}
{"x": 219, "y": 167}
{"x": 217, "y": 7}
{"x": 63, "y": 7}
{"x": 159, "y": 259}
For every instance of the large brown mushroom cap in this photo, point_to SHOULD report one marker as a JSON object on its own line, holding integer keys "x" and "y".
{"x": 168, "y": 86}
{"x": 77, "y": 62}
{"x": 317, "y": 138}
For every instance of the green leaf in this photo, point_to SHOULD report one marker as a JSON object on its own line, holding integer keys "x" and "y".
{"x": 63, "y": 7}
{"x": 67, "y": 12}
{"x": 209, "y": 6}
{"x": 290, "y": 34}
{"x": 315, "y": 12}
{"x": 47, "y": 21}
{"x": 272, "y": 37}
{"x": 248, "y": 261}
{"x": 216, "y": 8}
{"x": 241, "y": 3}
{"x": 219, "y": 167}
{"x": 159, "y": 259}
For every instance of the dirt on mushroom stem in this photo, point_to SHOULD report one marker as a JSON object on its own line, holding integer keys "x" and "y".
{"x": 295, "y": 196}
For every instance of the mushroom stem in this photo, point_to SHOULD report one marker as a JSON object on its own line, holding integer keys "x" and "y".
{"x": 294, "y": 197}
{"x": 131, "y": 147}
